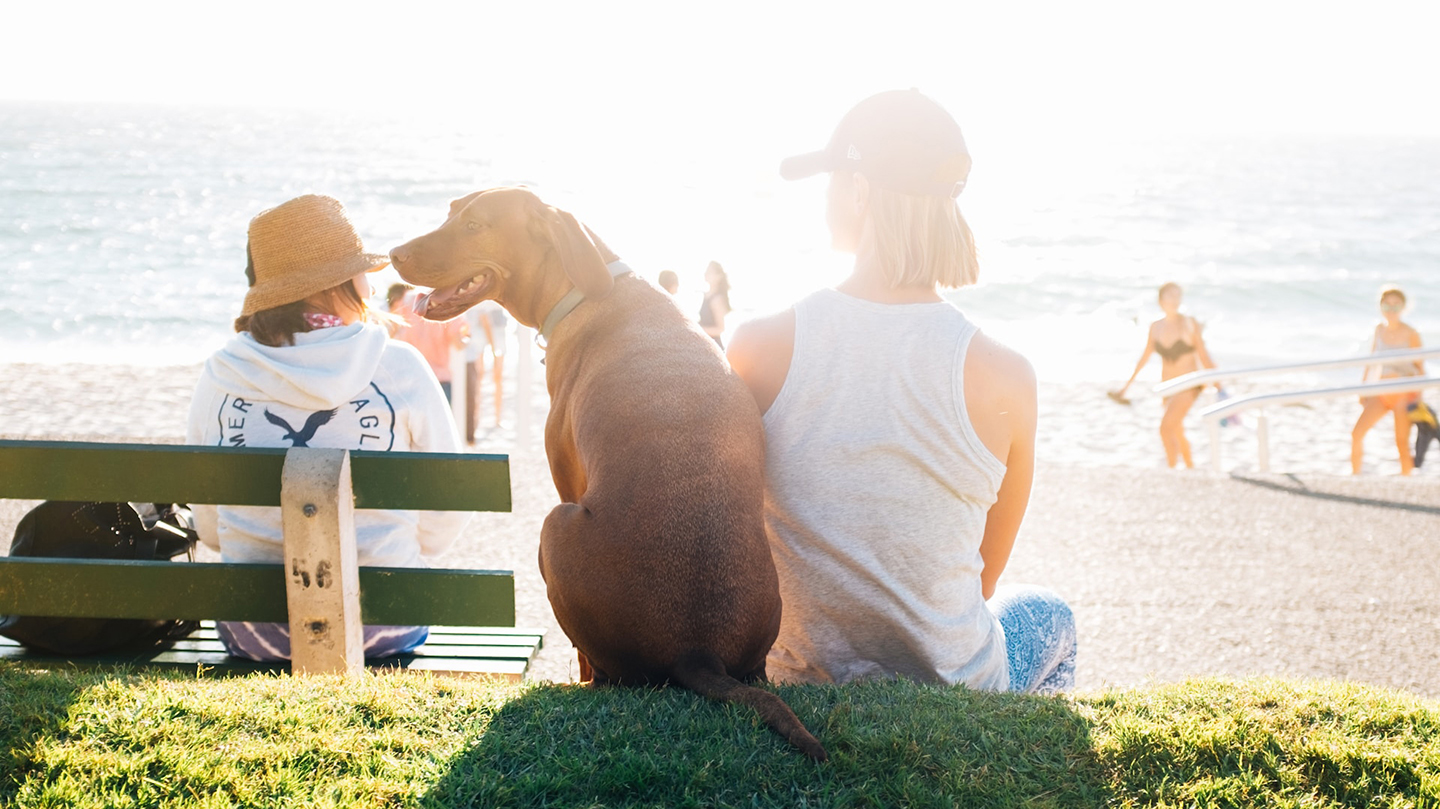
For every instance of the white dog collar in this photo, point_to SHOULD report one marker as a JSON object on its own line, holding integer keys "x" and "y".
{"x": 567, "y": 304}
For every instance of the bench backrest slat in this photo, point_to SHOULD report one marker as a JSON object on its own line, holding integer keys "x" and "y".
{"x": 234, "y": 592}
{"x": 243, "y": 476}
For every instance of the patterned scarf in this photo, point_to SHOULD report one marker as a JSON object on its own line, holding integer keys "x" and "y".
{"x": 316, "y": 320}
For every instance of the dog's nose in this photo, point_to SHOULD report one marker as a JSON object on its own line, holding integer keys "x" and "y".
{"x": 399, "y": 256}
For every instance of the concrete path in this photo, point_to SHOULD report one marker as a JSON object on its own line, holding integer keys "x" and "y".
{"x": 1174, "y": 574}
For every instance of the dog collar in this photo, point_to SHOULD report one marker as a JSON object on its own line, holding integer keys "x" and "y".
{"x": 567, "y": 304}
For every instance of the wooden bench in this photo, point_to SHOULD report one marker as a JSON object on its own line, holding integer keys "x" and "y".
{"x": 320, "y": 590}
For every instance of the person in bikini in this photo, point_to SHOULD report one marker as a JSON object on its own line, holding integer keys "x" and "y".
{"x": 1179, "y": 341}
{"x": 1391, "y": 334}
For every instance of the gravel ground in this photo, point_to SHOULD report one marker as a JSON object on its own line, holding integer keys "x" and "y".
{"x": 1173, "y": 574}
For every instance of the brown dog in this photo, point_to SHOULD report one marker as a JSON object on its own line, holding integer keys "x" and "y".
{"x": 656, "y": 561}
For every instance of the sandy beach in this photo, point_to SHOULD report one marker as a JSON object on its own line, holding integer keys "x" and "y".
{"x": 1304, "y": 572}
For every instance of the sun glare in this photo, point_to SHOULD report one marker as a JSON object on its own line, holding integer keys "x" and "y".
{"x": 570, "y": 68}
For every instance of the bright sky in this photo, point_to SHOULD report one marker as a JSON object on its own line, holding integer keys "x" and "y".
{"x": 1088, "y": 68}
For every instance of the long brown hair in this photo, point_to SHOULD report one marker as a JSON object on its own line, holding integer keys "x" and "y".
{"x": 278, "y": 325}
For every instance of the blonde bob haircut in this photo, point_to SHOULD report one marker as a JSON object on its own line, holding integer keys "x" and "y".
{"x": 922, "y": 240}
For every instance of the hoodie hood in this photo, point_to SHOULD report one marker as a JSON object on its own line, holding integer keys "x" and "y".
{"x": 324, "y": 368}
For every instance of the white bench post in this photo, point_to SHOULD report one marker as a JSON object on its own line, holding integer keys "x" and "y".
{"x": 322, "y": 574}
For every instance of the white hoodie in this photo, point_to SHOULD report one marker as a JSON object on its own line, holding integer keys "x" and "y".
{"x": 347, "y": 387}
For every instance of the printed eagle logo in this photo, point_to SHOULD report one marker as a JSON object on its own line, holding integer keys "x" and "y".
{"x": 312, "y": 423}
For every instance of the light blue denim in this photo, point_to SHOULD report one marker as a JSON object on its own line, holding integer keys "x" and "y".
{"x": 271, "y": 641}
{"x": 1039, "y": 638}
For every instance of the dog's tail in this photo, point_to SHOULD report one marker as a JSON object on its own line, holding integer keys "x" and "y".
{"x": 704, "y": 673}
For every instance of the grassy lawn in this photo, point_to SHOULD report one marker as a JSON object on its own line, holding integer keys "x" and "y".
{"x": 82, "y": 740}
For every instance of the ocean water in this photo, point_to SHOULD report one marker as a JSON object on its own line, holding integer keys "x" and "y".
{"x": 122, "y": 229}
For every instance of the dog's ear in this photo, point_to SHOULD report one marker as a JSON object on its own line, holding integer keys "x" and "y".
{"x": 584, "y": 261}
{"x": 606, "y": 255}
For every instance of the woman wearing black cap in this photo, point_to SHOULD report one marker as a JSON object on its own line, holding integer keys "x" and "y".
{"x": 900, "y": 439}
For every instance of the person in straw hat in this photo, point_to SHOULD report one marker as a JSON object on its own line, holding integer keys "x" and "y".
{"x": 900, "y": 440}
{"x": 309, "y": 367}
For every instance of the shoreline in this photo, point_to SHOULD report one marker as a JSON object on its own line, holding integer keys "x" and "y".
{"x": 1171, "y": 574}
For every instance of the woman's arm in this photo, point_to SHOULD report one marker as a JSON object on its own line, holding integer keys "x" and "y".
{"x": 1144, "y": 358}
{"x": 1002, "y": 522}
{"x": 1415, "y": 343}
{"x": 459, "y": 333}
{"x": 489, "y": 334}
{"x": 1201, "y": 352}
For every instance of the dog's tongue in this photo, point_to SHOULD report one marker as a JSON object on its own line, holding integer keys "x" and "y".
{"x": 421, "y": 304}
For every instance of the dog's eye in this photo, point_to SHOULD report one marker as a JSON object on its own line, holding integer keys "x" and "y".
{"x": 472, "y": 225}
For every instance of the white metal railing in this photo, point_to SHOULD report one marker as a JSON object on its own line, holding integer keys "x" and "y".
{"x": 1212, "y": 375}
{"x": 1218, "y": 411}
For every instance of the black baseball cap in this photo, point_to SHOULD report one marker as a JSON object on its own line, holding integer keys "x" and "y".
{"x": 900, "y": 140}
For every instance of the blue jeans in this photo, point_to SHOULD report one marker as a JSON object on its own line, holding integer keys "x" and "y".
{"x": 271, "y": 641}
{"x": 1039, "y": 638}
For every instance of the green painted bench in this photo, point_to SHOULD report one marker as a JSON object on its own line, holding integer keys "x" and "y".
{"x": 471, "y": 612}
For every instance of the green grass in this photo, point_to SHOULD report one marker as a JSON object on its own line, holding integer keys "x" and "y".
{"x": 124, "y": 739}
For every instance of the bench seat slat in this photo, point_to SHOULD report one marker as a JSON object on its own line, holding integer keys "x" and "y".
{"x": 243, "y": 476}
{"x": 203, "y": 648}
{"x": 469, "y": 636}
{"x": 236, "y": 592}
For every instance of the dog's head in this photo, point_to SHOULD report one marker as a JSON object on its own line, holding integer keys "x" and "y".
{"x": 507, "y": 245}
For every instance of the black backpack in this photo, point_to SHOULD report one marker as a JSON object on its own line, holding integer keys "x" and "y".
{"x": 59, "y": 529}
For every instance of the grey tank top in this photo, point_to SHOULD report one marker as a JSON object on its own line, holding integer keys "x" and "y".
{"x": 876, "y": 498}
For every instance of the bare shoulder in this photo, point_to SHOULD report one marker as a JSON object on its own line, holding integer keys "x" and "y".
{"x": 765, "y": 332}
{"x": 1001, "y": 369}
{"x": 1000, "y": 396}
{"x": 760, "y": 351}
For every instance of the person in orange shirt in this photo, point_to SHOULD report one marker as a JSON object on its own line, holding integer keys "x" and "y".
{"x": 434, "y": 340}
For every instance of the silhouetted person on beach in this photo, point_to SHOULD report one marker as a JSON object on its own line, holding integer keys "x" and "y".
{"x": 435, "y": 340}
{"x": 900, "y": 440}
{"x": 311, "y": 367}
{"x": 716, "y": 304}
{"x": 1179, "y": 341}
{"x": 669, "y": 281}
{"x": 489, "y": 332}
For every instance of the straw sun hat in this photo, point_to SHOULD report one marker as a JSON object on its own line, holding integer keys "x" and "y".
{"x": 302, "y": 247}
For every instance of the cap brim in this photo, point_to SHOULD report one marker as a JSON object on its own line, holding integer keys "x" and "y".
{"x": 377, "y": 263}
{"x": 805, "y": 165}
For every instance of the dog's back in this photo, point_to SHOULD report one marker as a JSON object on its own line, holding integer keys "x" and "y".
{"x": 660, "y": 571}
{"x": 672, "y": 451}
